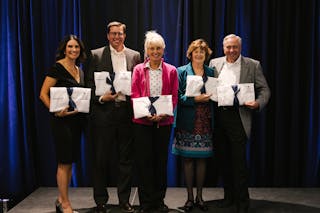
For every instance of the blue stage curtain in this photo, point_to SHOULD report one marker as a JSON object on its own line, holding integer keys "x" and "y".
{"x": 30, "y": 32}
{"x": 17, "y": 169}
{"x": 285, "y": 144}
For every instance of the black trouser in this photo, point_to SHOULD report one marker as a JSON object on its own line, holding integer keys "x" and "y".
{"x": 231, "y": 142}
{"x": 117, "y": 137}
{"x": 151, "y": 156}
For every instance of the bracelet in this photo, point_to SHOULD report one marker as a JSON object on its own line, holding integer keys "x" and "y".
{"x": 100, "y": 100}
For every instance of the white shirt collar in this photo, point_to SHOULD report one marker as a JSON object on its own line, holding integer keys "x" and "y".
{"x": 235, "y": 63}
{"x": 114, "y": 51}
{"x": 159, "y": 68}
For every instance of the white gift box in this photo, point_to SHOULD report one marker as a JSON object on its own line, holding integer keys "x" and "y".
{"x": 226, "y": 94}
{"x": 59, "y": 98}
{"x": 163, "y": 105}
{"x": 100, "y": 80}
{"x": 211, "y": 88}
{"x": 194, "y": 85}
{"x": 141, "y": 107}
{"x": 246, "y": 93}
{"x": 122, "y": 82}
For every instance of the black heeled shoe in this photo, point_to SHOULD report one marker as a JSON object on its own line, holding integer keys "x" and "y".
{"x": 201, "y": 204}
{"x": 188, "y": 206}
{"x": 59, "y": 208}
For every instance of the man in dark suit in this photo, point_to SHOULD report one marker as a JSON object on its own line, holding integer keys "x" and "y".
{"x": 234, "y": 123}
{"x": 110, "y": 119}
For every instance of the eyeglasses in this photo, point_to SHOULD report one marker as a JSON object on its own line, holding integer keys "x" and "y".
{"x": 114, "y": 34}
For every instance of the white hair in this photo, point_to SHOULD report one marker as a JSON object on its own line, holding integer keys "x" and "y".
{"x": 232, "y": 36}
{"x": 152, "y": 37}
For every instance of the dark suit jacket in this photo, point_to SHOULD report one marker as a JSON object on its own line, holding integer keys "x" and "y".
{"x": 251, "y": 72}
{"x": 100, "y": 60}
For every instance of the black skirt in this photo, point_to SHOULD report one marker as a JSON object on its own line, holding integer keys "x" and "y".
{"x": 67, "y": 133}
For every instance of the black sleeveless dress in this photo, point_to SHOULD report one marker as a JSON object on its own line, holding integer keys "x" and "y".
{"x": 67, "y": 130}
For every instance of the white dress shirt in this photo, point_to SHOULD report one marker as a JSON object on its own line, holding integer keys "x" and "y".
{"x": 230, "y": 72}
{"x": 119, "y": 63}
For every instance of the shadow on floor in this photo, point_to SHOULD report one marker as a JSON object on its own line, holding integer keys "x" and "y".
{"x": 256, "y": 206}
{"x": 265, "y": 206}
{"x": 113, "y": 209}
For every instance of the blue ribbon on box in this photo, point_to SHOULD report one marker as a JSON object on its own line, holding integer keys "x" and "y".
{"x": 236, "y": 90}
{"x": 109, "y": 81}
{"x": 151, "y": 108}
{"x": 72, "y": 104}
{"x": 205, "y": 79}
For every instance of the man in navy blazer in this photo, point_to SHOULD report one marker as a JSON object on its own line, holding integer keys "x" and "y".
{"x": 234, "y": 123}
{"x": 110, "y": 119}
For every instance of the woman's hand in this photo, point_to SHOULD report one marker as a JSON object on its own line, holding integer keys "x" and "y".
{"x": 157, "y": 118}
{"x": 65, "y": 112}
{"x": 109, "y": 97}
{"x": 202, "y": 98}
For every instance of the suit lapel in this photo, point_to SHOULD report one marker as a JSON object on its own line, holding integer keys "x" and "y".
{"x": 108, "y": 61}
{"x": 243, "y": 70}
{"x": 219, "y": 66}
{"x": 128, "y": 59}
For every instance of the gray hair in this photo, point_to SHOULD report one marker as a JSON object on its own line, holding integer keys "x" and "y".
{"x": 152, "y": 37}
{"x": 232, "y": 36}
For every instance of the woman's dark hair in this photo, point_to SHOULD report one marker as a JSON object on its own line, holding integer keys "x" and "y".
{"x": 62, "y": 49}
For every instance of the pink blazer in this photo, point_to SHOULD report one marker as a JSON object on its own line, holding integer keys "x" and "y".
{"x": 141, "y": 87}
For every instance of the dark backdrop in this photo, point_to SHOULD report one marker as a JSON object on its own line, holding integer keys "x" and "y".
{"x": 285, "y": 145}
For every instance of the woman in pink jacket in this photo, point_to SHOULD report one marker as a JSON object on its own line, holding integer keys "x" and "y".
{"x": 153, "y": 78}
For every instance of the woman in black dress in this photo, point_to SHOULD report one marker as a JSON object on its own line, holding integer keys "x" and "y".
{"x": 66, "y": 124}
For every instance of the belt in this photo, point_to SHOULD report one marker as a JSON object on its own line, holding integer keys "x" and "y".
{"x": 224, "y": 108}
{"x": 120, "y": 103}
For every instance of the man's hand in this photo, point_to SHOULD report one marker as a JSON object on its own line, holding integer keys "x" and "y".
{"x": 252, "y": 104}
{"x": 109, "y": 97}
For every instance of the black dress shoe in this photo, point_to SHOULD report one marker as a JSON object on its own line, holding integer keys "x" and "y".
{"x": 162, "y": 208}
{"x": 201, "y": 204}
{"x": 101, "y": 208}
{"x": 126, "y": 207}
{"x": 188, "y": 206}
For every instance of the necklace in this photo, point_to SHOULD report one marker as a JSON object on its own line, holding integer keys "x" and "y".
{"x": 73, "y": 70}
{"x": 198, "y": 71}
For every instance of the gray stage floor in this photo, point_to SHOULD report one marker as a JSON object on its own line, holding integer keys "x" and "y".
{"x": 263, "y": 200}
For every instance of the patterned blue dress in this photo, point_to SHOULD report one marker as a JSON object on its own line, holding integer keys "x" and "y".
{"x": 198, "y": 143}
